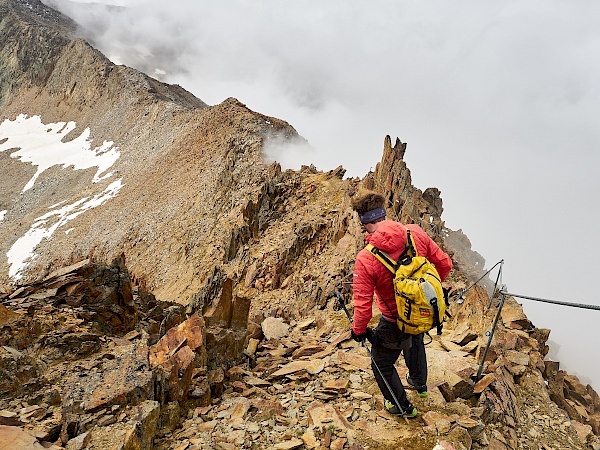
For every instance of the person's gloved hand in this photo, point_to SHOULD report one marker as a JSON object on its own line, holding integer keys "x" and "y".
{"x": 368, "y": 335}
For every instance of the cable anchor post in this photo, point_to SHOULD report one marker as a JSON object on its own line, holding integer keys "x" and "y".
{"x": 498, "y": 280}
{"x": 503, "y": 296}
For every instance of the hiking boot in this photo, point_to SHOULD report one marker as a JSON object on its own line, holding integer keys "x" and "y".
{"x": 421, "y": 390}
{"x": 409, "y": 411}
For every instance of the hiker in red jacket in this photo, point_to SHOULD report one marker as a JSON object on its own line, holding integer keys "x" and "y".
{"x": 372, "y": 277}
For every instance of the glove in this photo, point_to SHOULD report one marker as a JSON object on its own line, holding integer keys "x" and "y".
{"x": 368, "y": 334}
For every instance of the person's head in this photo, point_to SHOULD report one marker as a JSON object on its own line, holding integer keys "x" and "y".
{"x": 370, "y": 209}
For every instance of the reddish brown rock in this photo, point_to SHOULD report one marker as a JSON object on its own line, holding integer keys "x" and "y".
{"x": 463, "y": 334}
{"x": 125, "y": 380}
{"x": 266, "y": 409}
{"x": 431, "y": 417}
{"x": 216, "y": 379}
{"x": 188, "y": 334}
{"x": 483, "y": 383}
{"x": 322, "y": 414}
{"x": 220, "y": 312}
{"x": 455, "y": 387}
{"x": 513, "y": 315}
{"x": 7, "y": 316}
{"x": 201, "y": 392}
{"x": 473, "y": 427}
{"x": 177, "y": 354}
{"x": 495, "y": 444}
{"x": 293, "y": 367}
{"x": 15, "y": 438}
{"x": 307, "y": 350}
{"x": 499, "y": 400}
{"x": 339, "y": 386}
{"x": 551, "y": 368}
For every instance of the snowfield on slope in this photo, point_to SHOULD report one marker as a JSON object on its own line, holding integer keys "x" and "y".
{"x": 43, "y": 145}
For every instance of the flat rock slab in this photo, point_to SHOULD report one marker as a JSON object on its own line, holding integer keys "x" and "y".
{"x": 432, "y": 417}
{"x": 313, "y": 367}
{"x": 355, "y": 360}
{"x": 336, "y": 385}
{"x": 322, "y": 415}
{"x": 462, "y": 335}
{"x": 125, "y": 380}
{"x": 440, "y": 362}
{"x": 513, "y": 315}
{"x": 288, "y": 445}
{"x": 518, "y": 358}
{"x": 65, "y": 270}
{"x": 484, "y": 383}
{"x": 15, "y": 438}
{"x": 307, "y": 350}
{"x": 7, "y": 316}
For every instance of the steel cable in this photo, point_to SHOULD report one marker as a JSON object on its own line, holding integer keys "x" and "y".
{"x": 554, "y": 302}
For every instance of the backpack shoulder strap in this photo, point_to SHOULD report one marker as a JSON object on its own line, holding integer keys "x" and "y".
{"x": 410, "y": 244}
{"x": 388, "y": 262}
{"x": 410, "y": 250}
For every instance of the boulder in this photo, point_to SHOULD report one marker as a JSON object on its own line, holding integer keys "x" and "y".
{"x": 513, "y": 315}
{"x": 177, "y": 354}
{"x": 274, "y": 328}
{"x": 456, "y": 387}
{"x": 124, "y": 380}
{"x": 463, "y": 334}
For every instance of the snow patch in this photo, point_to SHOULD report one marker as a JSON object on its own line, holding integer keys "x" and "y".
{"x": 21, "y": 253}
{"x": 56, "y": 204}
{"x": 2, "y": 214}
{"x": 43, "y": 146}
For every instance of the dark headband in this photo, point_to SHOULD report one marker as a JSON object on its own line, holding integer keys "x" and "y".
{"x": 373, "y": 215}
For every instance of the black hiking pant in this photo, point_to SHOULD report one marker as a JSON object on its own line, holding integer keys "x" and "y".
{"x": 390, "y": 342}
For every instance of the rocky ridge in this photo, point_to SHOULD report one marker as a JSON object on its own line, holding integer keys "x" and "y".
{"x": 188, "y": 171}
{"x": 194, "y": 309}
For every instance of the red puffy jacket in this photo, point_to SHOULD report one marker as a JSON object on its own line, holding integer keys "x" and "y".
{"x": 371, "y": 276}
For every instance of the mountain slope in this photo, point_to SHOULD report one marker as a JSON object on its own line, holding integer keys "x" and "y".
{"x": 178, "y": 159}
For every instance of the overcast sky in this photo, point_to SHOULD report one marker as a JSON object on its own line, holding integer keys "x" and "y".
{"x": 498, "y": 102}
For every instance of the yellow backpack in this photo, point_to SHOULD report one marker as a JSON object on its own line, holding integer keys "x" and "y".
{"x": 418, "y": 289}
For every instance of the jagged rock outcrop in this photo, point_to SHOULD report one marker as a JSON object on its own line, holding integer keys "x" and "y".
{"x": 405, "y": 202}
{"x": 88, "y": 349}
